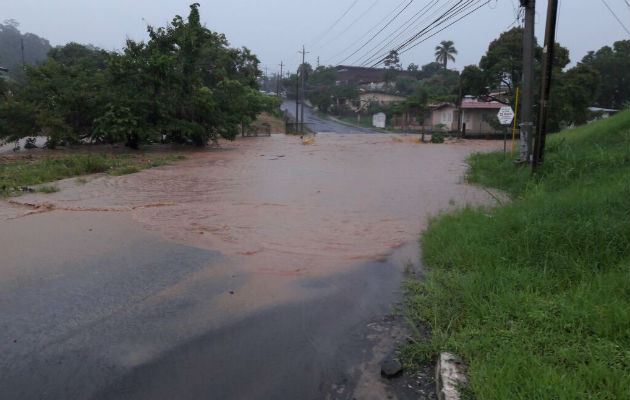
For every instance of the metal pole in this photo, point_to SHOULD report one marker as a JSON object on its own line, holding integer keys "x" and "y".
{"x": 527, "y": 122}
{"x": 548, "y": 52}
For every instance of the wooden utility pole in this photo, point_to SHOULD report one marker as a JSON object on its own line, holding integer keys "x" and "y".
{"x": 527, "y": 121}
{"x": 279, "y": 78}
{"x": 548, "y": 52}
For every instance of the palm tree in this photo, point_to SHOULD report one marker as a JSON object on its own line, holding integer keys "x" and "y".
{"x": 444, "y": 52}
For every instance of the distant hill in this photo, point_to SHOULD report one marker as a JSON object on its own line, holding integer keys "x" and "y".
{"x": 35, "y": 48}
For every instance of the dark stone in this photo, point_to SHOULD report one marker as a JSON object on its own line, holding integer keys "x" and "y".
{"x": 391, "y": 368}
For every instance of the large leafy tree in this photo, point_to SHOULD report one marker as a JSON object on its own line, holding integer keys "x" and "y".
{"x": 445, "y": 52}
{"x": 613, "y": 65}
{"x": 184, "y": 85}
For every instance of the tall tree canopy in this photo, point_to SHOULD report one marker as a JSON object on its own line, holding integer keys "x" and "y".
{"x": 445, "y": 52}
{"x": 185, "y": 84}
{"x": 613, "y": 65}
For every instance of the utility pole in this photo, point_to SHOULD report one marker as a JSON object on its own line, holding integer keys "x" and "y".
{"x": 527, "y": 122}
{"x": 297, "y": 100}
{"x": 279, "y": 78}
{"x": 304, "y": 52}
{"x": 317, "y": 61}
{"x": 548, "y": 52}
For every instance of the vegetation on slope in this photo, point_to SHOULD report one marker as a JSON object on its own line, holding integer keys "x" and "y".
{"x": 534, "y": 294}
{"x": 17, "y": 175}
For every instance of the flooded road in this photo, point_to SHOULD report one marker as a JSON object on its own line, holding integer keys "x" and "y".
{"x": 255, "y": 271}
{"x": 322, "y": 125}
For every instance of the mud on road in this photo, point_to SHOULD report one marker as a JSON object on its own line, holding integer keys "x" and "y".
{"x": 253, "y": 271}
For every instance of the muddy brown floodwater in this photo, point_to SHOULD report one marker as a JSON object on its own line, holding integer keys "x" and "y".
{"x": 279, "y": 210}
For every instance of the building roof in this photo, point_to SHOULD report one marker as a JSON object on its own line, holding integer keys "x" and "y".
{"x": 482, "y": 105}
{"x": 359, "y": 75}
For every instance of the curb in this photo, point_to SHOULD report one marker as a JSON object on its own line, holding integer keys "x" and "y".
{"x": 449, "y": 375}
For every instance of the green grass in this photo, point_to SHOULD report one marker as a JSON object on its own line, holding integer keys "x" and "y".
{"x": 17, "y": 174}
{"x": 48, "y": 189}
{"x": 535, "y": 294}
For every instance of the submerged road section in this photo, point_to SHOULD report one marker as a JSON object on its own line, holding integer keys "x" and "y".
{"x": 320, "y": 124}
{"x": 266, "y": 269}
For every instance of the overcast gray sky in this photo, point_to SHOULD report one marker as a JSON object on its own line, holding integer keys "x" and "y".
{"x": 276, "y": 29}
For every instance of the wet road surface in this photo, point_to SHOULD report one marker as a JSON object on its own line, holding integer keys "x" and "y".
{"x": 319, "y": 124}
{"x": 266, "y": 269}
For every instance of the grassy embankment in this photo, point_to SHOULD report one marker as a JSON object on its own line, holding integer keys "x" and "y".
{"x": 276, "y": 123}
{"x": 534, "y": 294}
{"x": 18, "y": 174}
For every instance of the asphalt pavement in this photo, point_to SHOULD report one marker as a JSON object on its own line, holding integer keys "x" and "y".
{"x": 319, "y": 124}
{"x": 103, "y": 313}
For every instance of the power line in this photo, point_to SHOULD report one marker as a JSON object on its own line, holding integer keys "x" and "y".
{"x": 415, "y": 40}
{"x": 390, "y": 45}
{"x": 351, "y": 24}
{"x": 367, "y": 33}
{"x": 327, "y": 31}
{"x": 400, "y": 31}
{"x": 447, "y": 26}
{"x": 616, "y": 17}
{"x": 626, "y": 1}
{"x": 379, "y": 32}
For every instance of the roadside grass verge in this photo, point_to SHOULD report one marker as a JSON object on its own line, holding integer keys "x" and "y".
{"x": 17, "y": 175}
{"x": 535, "y": 294}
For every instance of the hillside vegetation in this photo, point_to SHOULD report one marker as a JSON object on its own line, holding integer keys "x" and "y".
{"x": 534, "y": 294}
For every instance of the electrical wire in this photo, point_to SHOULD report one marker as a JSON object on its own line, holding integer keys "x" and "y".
{"x": 366, "y": 33}
{"x": 449, "y": 13}
{"x": 616, "y": 17}
{"x": 410, "y": 23}
{"x": 350, "y": 25}
{"x": 378, "y": 33}
{"x": 387, "y": 47}
{"x": 452, "y": 13}
{"x": 334, "y": 24}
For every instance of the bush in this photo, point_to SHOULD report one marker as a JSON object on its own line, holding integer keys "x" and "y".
{"x": 437, "y": 137}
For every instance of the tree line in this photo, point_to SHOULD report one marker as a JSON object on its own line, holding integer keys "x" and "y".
{"x": 600, "y": 79}
{"x": 183, "y": 85}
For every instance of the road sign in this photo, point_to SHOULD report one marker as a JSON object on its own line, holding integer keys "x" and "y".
{"x": 506, "y": 115}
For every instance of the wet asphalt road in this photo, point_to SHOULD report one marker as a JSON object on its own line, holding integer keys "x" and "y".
{"x": 319, "y": 124}
{"x": 86, "y": 319}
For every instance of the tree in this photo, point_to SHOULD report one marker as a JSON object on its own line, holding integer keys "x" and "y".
{"x": 392, "y": 60}
{"x": 574, "y": 93}
{"x": 613, "y": 65}
{"x": 445, "y": 52}
{"x": 473, "y": 81}
{"x": 502, "y": 64}
{"x": 11, "y": 39}
{"x": 185, "y": 84}
{"x": 306, "y": 69}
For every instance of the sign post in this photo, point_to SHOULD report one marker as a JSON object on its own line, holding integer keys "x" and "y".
{"x": 505, "y": 116}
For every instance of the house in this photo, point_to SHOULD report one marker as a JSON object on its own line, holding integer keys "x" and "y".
{"x": 367, "y": 97}
{"x": 476, "y": 116}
